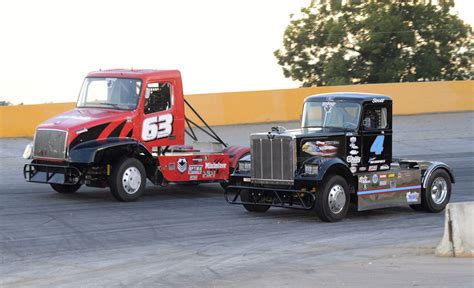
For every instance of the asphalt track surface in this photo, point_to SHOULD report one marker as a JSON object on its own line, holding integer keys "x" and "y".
{"x": 182, "y": 236}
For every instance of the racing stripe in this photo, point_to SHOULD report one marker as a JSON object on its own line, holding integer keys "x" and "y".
{"x": 130, "y": 133}
{"x": 389, "y": 190}
{"x": 108, "y": 130}
{"x": 127, "y": 130}
{"x": 117, "y": 130}
{"x": 91, "y": 134}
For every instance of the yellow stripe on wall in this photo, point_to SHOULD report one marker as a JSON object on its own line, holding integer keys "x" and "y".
{"x": 272, "y": 105}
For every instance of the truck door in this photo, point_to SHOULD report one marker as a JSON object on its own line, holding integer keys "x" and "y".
{"x": 376, "y": 136}
{"x": 159, "y": 124}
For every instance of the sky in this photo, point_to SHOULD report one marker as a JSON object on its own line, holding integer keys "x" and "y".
{"x": 47, "y": 47}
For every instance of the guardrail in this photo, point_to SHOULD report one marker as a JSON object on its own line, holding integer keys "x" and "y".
{"x": 272, "y": 105}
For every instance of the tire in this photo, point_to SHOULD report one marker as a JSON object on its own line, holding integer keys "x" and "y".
{"x": 66, "y": 189}
{"x": 332, "y": 201}
{"x": 437, "y": 193}
{"x": 124, "y": 184}
{"x": 247, "y": 196}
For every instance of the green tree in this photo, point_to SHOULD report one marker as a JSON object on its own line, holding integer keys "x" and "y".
{"x": 376, "y": 42}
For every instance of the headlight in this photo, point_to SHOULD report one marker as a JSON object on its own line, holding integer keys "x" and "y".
{"x": 311, "y": 169}
{"x": 28, "y": 151}
{"x": 244, "y": 166}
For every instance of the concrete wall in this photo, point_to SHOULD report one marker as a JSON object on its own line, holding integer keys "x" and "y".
{"x": 272, "y": 105}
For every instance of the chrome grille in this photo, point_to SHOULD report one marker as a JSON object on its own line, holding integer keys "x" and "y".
{"x": 50, "y": 144}
{"x": 273, "y": 160}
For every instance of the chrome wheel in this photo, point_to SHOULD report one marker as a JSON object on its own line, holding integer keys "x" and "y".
{"x": 336, "y": 199}
{"x": 131, "y": 180}
{"x": 439, "y": 190}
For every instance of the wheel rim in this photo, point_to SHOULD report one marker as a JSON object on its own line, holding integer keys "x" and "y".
{"x": 131, "y": 180}
{"x": 439, "y": 190}
{"x": 336, "y": 199}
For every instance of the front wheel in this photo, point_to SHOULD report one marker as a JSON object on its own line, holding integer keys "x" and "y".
{"x": 66, "y": 189}
{"x": 332, "y": 201}
{"x": 252, "y": 197}
{"x": 437, "y": 193}
{"x": 128, "y": 179}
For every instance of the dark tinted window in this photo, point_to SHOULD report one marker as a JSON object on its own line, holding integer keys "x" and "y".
{"x": 158, "y": 97}
{"x": 375, "y": 118}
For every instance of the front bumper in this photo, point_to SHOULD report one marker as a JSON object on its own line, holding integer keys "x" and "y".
{"x": 52, "y": 174}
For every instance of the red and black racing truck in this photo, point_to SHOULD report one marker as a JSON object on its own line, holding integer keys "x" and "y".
{"x": 342, "y": 153}
{"x": 128, "y": 126}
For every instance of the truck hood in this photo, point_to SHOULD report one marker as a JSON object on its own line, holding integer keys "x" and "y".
{"x": 81, "y": 118}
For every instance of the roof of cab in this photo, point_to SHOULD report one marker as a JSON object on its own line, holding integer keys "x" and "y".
{"x": 348, "y": 96}
{"x": 136, "y": 73}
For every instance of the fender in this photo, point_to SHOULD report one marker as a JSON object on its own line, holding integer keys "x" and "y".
{"x": 88, "y": 152}
{"x": 235, "y": 153}
{"x": 434, "y": 166}
{"x": 326, "y": 166}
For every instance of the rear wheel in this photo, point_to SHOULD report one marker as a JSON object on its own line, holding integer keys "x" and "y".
{"x": 437, "y": 193}
{"x": 66, "y": 189}
{"x": 252, "y": 197}
{"x": 332, "y": 201}
{"x": 128, "y": 179}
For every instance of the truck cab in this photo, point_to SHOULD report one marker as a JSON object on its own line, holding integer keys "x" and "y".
{"x": 341, "y": 153}
{"x": 128, "y": 126}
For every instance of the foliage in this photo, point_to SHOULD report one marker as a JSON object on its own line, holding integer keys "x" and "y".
{"x": 376, "y": 42}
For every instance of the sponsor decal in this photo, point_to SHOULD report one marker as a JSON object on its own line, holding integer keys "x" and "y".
{"x": 377, "y": 161}
{"x": 353, "y": 159}
{"x": 197, "y": 160}
{"x": 373, "y": 168}
{"x": 193, "y": 177}
{"x": 383, "y": 183}
{"x": 392, "y": 175}
{"x": 383, "y": 176}
{"x": 216, "y": 165}
{"x": 195, "y": 169}
{"x": 353, "y": 169}
{"x": 171, "y": 166}
{"x": 353, "y": 143}
{"x": 209, "y": 174}
{"x": 182, "y": 165}
{"x": 412, "y": 197}
{"x": 393, "y": 184}
{"x": 364, "y": 179}
{"x": 328, "y": 106}
{"x": 320, "y": 148}
{"x": 354, "y": 152}
{"x": 378, "y": 100}
{"x": 384, "y": 167}
{"x": 375, "y": 178}
{"x": 362, "y": 169}
{"x": 404, "y": 174}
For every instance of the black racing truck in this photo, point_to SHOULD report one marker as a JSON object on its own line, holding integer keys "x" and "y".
{"x": 342, "y": 153}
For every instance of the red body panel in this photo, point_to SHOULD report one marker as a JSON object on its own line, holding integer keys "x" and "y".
{"x": 105, "y": 121}
{"x": 85, "y": 124}
{"x": 194, "y": 167}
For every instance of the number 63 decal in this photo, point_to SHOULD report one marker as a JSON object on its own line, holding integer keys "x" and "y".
{"x": 157, "y": 127}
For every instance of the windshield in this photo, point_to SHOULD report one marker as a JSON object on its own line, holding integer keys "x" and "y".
{"x": 112, "y": 93}
{"x": 344, "y": 115}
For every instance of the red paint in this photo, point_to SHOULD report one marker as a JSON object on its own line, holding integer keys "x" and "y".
{"x": 103, "y": 121}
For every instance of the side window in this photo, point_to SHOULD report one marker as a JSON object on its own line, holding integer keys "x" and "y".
{"x": 375, "y": 118}
{"x": 158, "y": 97}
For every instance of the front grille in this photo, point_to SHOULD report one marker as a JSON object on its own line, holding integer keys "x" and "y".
{"x": 50, "y": 144}
{"x": 273, "y": 160}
